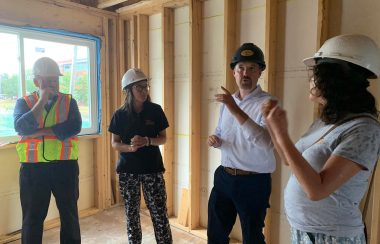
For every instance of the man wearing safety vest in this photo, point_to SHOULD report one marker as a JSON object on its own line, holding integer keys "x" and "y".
{"x": 48, "y": 122}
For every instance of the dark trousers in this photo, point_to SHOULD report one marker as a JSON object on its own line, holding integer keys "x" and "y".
{"x": 247, "y": 196}
{"x": 37, "y": 182}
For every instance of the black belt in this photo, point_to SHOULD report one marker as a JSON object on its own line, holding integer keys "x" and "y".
{"x": 233, "y": 171}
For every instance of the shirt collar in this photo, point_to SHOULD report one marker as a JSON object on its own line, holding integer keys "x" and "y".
{"x": 253, "y": 93}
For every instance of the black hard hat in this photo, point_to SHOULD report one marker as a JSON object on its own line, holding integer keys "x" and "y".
{"x": 248, "y": 52}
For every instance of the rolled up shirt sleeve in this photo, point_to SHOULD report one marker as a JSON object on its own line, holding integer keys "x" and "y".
{"x": 257, "y": 134}
{"x": 24, "y": 121}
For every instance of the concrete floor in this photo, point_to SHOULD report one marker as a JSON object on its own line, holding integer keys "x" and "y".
{"x": 109, "y": 227}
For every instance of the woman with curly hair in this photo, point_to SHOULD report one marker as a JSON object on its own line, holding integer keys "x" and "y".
{"x": 333, "y": 162}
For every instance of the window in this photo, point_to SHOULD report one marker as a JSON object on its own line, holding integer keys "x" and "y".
{"x": 77, "y": 57}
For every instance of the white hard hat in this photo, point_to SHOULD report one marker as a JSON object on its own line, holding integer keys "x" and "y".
{"x": 46, "y": 67}
{"x": 132, "y": 76}
{"x": 357, "y": 49}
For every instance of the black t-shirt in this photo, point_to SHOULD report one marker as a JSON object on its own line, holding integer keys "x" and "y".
{"x": 149, "y": 122}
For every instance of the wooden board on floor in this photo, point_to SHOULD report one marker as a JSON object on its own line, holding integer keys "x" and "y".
{"x": 183, "y": 213}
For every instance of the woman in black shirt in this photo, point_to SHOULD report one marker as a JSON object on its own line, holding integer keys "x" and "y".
{"x": 138, "y": 128}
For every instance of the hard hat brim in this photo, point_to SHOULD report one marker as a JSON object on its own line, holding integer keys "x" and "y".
{"x": 134, "y": 82}
{"x": 310, "y": 62}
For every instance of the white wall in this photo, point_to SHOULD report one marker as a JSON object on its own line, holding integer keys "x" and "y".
{"x": 155, "y": 58}
{"x": 212, "y": 79}
{"x": 181, "y": 166}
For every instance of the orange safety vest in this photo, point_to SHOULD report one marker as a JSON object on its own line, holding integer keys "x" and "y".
{"x": 48, "y": 148}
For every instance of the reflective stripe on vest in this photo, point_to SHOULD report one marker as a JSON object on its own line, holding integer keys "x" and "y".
{"x": 49, "y": 148}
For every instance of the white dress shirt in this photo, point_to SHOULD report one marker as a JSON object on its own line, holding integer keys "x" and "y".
{"x": 248, "y": 146}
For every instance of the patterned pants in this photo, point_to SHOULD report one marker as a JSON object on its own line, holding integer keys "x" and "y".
{"x": 153, "y": 186}
{"x": 301, "y": 237}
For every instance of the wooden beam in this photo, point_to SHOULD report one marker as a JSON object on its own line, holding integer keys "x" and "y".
{"x": 114, "y": 99}
{"x": 110, "y": 3}
{"x": 168, "y": 100}
{"x": 322, "y": 23}
{"x": 196, "y": 38}
{"x": 322, "y": 36}
{"x": 270, "y": 73}
{"x": 102, "y": 156}
{"x": 270, "y": 45}
{"x": 142, "y": 55}
{"x": 143, "y": 43}
{"x": 100, "y": 143}
{"x": 149, "y": 7}
{"x": 230, "y": 41}
{"x": 123, "y": 44}
{"x": 134, "y": 54}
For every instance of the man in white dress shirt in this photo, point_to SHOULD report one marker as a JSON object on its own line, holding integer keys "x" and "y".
{"x": 242, "y": 184}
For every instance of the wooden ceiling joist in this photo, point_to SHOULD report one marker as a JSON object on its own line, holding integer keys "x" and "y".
{"x": 110, "y": 3}
{"x": 149, "y": 7}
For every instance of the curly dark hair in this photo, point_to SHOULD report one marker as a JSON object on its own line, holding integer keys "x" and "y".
{"x": 343, "y": 85}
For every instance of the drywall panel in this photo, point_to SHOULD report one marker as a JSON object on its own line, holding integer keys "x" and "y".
{"x": 212, "y": 79}
{"x": 366, "y": 22}
{"x": 155, "y": 58}
{"x": 300, "y": 21}
{"x": 252, "y": 22}
{"x": 181, "y": 166}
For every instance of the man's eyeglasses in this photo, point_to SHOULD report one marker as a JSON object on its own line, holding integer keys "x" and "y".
{"x": 141, "y": 88}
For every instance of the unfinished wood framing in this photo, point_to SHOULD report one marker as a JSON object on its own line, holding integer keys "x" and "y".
{"x": 101, "y": 147}
{"x": 114, "y": 101}
{"x": 109, "y": 3}
{"x": 230, "y": 42}
{"x": 123, "y": 44}
{"x": 270, "y": 74}
{"x": 133, "y": 43}
{"x": 270, "y": 45}
{"x": 168, "y": 100}
{"x": 150, "y": 7}
{"x": 143, "y": 43}
{"x": 323, "y": 22}
{"x": 195, "y": 63}
{"x": 322, "y": 35}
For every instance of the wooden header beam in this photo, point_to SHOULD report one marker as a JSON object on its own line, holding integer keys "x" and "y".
{"x": 149, "y": 7}
{"x": 110, "y": 3}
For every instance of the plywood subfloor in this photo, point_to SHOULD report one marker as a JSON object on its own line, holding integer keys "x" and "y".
{"x": 109, "y": 227}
